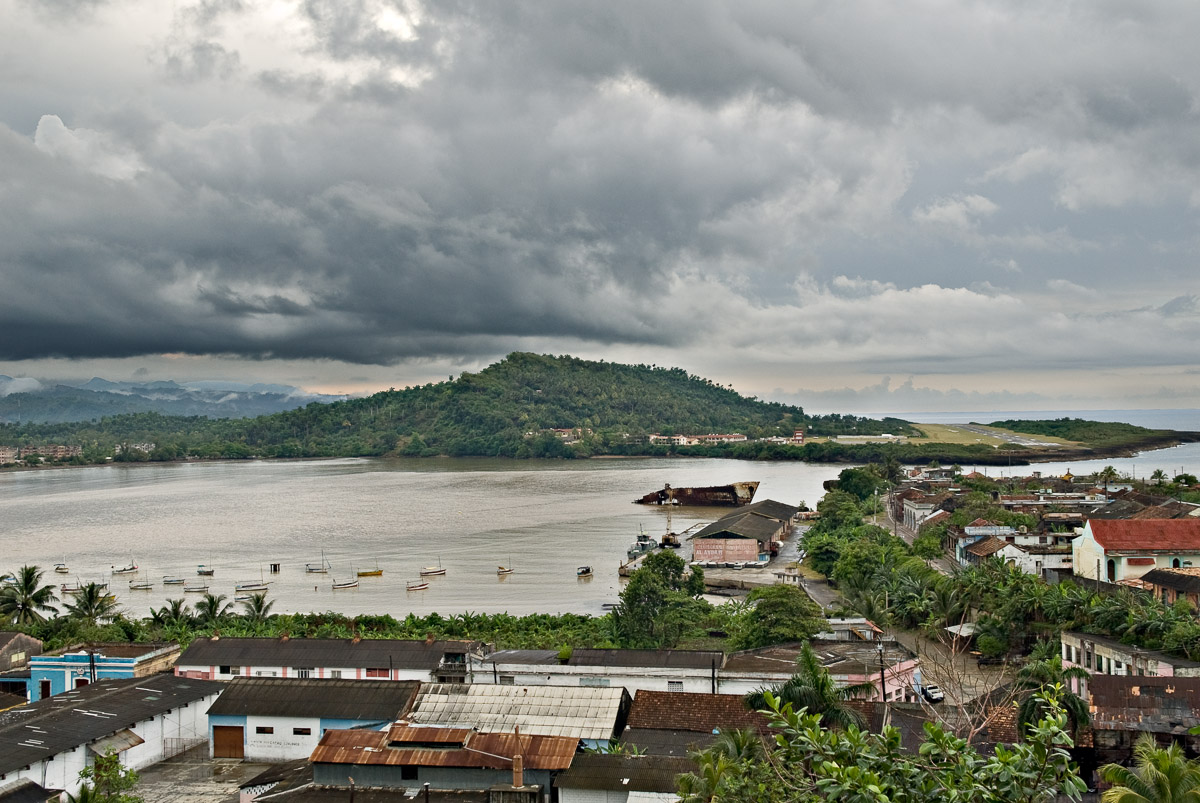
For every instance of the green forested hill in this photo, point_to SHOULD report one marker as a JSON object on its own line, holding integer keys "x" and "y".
{"x": 504, "y": 410}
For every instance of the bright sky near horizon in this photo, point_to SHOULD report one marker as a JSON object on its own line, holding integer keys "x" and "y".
{"x": 851, "y": 205}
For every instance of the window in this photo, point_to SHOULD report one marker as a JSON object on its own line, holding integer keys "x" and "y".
{"x": 304, "y": 671}
{"x": 265, "y": 673}
{"x": 223, "y": 670}
{"x": 302, "y": 731}
{"x": 235, "y": 670}
{"x": 378, "y": 673}
{"x": 335, "y": 673}
{"x": 408, "y": 773}
{"x": 264, "y": 729}
{"x": 508, "y": 680}
{"x": 17, "y": 657}
{"x": 674, "y": 685}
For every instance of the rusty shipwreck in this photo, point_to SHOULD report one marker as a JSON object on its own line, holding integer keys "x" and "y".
{"x": 735, "y": 494}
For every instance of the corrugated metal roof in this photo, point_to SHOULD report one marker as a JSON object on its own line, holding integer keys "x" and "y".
{"x": 687, "y": 711}
{"x": 524, "y": 657}
{"x": 1144, "y": 703}
{"x": 1183, "y": 580}
{"x": 119, "y": 742}
{"x": 576, "y": 712}
{"x": 460, "y": 747}
{"x": 43, "y": 729}
{"x": 377, "y": 700}
{"x": 691, "y": 659}
{"x": 743, "y": 525}
{"x": 624, "y": 773}
{"x": 773, "y": 509}
{"x": 348, "y": 653}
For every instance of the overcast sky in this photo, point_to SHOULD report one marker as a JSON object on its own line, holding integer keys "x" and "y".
{"x": 855, "y": 205}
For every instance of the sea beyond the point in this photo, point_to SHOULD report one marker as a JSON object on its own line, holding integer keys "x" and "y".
{"x": 543, "y": 519}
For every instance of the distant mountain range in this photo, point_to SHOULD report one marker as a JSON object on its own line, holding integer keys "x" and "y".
{"x": 28, "y": 401}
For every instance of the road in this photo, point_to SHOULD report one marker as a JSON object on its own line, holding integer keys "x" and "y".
{"x": 1008, "y": 437}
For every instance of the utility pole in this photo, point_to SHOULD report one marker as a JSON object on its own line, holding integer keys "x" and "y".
{"x": 882, "y": 682}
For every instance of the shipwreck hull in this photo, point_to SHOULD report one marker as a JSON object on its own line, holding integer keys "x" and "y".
{"x": 733, "y": 495}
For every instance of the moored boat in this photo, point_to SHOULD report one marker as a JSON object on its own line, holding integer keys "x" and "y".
{"x": 195, "y": 588}
{"x": 583, "y": 571}
{"x": 71, "y": 588}
{"x": 416, "y": 585}
{"x": 318, "y": 568}
{"x": 62, "y": 568}
{"x": 253, "y": 585}
{"x": 433, "y": 571}
{"x": 735, "y": 494}
{"x": 501, "y": 571}
{"x": 140, "y": 585}
{"x": 168, "y": 580}
{"x": 345, "y": 584}
{"x": 205, "y": 571}
{"x": 130, "y": 569}
{"x": 376, "y": 572}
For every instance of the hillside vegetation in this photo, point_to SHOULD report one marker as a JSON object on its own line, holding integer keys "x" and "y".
{"x": 1095, "y": 434}
{"x": 507, "y": 409}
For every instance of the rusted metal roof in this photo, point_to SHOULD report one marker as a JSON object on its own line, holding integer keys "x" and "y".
{"x": 686, "y": 711}
{"x": 404, "y": 745}
{"x": 576, "y": 712}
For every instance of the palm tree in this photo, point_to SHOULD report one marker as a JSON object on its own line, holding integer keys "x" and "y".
{"x": 257, "y": 609}
{"x": 1159, "y": 476}
{"x": 1049, "y": 673}
{"x": 812, "y": 687}
{"x": 23, "y": 599}
{"x": 93, "y": 604}
{"x": 1159, "y": 775}
{"x": 173, "y": 614}
{"x": 1108, "y": 474}
{"x": 739, "y": 745}
{"x": 212, "y": 608}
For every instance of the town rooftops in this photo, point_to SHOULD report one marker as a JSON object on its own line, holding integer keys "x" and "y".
{"x": 743, "y": 525}
{"x": 987, "y": 547}
{"x": 839, "y": 657}
{"x": 1185, "y": 581}
{"x": 1129, "y": 649}
{"x": 689, "y": 659}
{"x": 572, "y": 711}
{"x": 772, "y": 509}
{"x": 1142, "y": 703}
{"x": 1147, "y": 535}
{"x": 405, "y": 745}
{"x": 685, "y": 711}
{"x": 346, "y": 653}
{"x": 81, "y": 716}
{"x": 617, "y": 773}
{"x": 115, "y": 649}
{"x": 378, "y": 700}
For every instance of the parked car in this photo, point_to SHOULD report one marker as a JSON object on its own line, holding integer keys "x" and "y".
{"x": 932, "y": 693}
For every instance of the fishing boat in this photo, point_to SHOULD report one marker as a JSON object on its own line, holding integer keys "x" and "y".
{"x": 501, "y": 571}
{"x": 71, "y": 588}
{"x": 242, "y": 597}
{"x": 140, "y": 585}
{"x": 253, "y": 585}
{"x": 642, "y": 545}
{"x": 338, "y": 585}
{"x": 168, "y": 580}
{"x": 195, "y": 588}
{"x": 433, "y": 571}
{"x": 318, "y": 568}
{"x": 583, "y": 571}
{"x": 376, "y": 572}
{"x": 416, "y": 585}
{"x": 205, "y": 571}
{"x": 62, "y": 568}
{"x": 130, "y": 569}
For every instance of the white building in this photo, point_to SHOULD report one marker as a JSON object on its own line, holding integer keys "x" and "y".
{"x": 143, "y": 720}
{"x": 633, "y": 670}
{"x": 1125, "y": 549}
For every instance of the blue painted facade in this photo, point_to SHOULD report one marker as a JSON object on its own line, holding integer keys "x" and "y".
{"x": 65, "y": 672}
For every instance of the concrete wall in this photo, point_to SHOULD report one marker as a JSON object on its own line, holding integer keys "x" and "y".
{"x": 633, "y": 679}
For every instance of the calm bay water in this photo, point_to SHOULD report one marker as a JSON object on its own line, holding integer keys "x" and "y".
{"x": 542, "y": 518}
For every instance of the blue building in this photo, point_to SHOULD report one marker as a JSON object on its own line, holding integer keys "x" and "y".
{"x": 83, "y": 664}
{"x": 280, "y": 719}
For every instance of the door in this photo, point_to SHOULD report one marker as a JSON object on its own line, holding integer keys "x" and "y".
{"x": 43, "y": 689}
{"x": 228, "y": 741}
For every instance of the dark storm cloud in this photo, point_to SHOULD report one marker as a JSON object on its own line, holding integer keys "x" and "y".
{"x": 370, "y": 181}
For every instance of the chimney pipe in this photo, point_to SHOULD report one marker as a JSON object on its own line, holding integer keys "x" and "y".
{"x": 518, "y": 771}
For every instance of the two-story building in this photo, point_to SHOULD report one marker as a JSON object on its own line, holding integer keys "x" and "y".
{"x": 1125, "y": 549}
{"x": 1103, "y": 656}
{"x": 82, "y": 664}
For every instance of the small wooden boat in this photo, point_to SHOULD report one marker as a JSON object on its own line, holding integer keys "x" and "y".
{"x": 140, "y": 585}
{"x": 376, "y": 572}
{"x": 253, "y": 585}
{"x": 201, "y": 588}
{"x": 345, "y": 584}
{"x": 318, "y": 568}
{"x": 62, "y": 568}
{"x": 242, "y": 597}
{"x": 130, "y": 569}
{"x": 416, "y": 585}
{"x": 501, "y": 571}
{"x": 583, "y": 571}
{"x": 433, "y": 571}
{"x": 71, "y": 588}
{"x": 205, "y": 571}
{"x": 172, "y": 581}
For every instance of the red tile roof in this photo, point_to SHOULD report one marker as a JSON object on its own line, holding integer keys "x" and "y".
{"x": 443, "y": 747}
{"x": 1156, "y": 535}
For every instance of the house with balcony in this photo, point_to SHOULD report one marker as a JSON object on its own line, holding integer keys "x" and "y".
{"x": 336, "y": 659}
{"x": 1125, "y": 549}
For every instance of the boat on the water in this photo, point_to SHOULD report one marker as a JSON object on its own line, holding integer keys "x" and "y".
{"x": 416, "y": 585}
{"x": 71, "y": 588}
{"x": 318, "y": 568}
{"x": 242, "y": 597}
{"x": 168, "y": 580}
{"x": 433, "y": 571}
{"x": 338, "y": 585}
{"x": 501, "y": 571}
{"x": 253, "y": 585}
{"x": 130, "y": 569}
{"x": 735, "y": 494}
{"x": 642, "y": 545}
{"x": 205, "y": 571}
{"x": 140, "y": 585}
{"x": 195, "y": 588}
{"x": 62, "y": 568}
{"x": 376, "y": 572}
{"x": 583, "y": 571}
